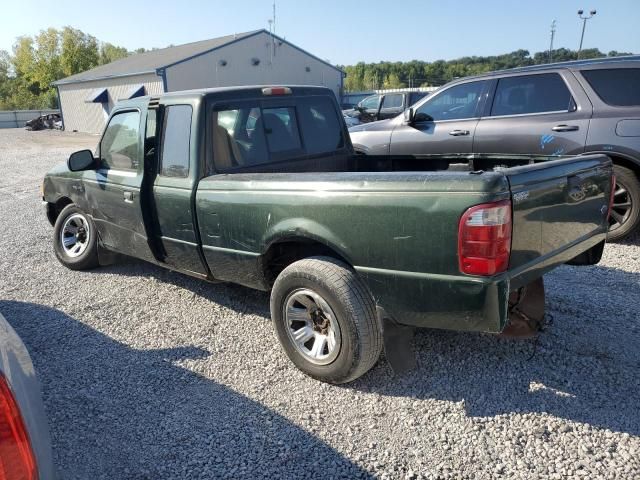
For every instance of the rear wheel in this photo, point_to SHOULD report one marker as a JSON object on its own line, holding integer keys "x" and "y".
{"x": 625, "y": 213}
{"x": 75, "y": 239}
{"x": 325, "y": 320}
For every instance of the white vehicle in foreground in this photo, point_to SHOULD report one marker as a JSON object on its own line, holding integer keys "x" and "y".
{"x": 25, "y": 445}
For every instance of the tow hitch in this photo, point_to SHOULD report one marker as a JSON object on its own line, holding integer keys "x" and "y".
{"x": 526, "y": 311}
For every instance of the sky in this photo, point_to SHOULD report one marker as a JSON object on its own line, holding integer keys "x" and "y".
{"x": 342, "y": 31}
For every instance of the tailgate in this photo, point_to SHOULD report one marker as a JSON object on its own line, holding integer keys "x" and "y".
{"x": 557, "y": 204}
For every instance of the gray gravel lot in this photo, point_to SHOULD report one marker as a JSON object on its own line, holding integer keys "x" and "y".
{"x": 150, "y": 374}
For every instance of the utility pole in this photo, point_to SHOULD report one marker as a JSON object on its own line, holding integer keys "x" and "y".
{"x": 272, "y": 42}
{"x": 553, "y": 34}
{"x": 272, "y": 32}
{"x": 584, "y": 25}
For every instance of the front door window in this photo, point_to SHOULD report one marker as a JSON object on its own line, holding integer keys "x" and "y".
{"x": 455, "y": 103}
{"x": 119, "y": 148}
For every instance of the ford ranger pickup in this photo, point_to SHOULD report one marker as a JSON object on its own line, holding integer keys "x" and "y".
{"x": 260, "y": 186}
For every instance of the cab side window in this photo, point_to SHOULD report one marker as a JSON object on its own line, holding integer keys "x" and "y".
{"x": 393, "y": 100}
{"x": 120, "y": 145}
{"x": 455, "y": 103}
{"x": 370, "y": 103}
{"x": 176, "y": 141}
{"x": 532, "y": 94}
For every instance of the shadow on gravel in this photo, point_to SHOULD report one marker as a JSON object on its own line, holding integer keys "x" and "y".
{"x": 585, "y": 367}
{"x": 126, "y": 413}
{"x": 633, "y": 239}
{"x": 236, "y": 297}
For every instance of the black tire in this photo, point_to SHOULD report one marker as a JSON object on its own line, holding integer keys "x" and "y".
{"x": 88, "y": 257}
{"x": 624, "y": 220}
{"x": 352, "y": 306}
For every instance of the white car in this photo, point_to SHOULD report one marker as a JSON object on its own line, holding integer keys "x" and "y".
{"x": 25, "y": 445}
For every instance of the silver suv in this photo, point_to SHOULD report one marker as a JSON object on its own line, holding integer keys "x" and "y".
{"x": 551, "y": 110}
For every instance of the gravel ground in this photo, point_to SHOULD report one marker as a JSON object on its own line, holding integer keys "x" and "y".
{"x": 150, "y": 374}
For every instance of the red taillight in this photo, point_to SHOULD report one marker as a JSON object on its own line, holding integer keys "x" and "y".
{"x": 611, "y": 195}
{"x": 276, "y": 91}
{"x": 484, "y": 239}
{"x": 16, "y": 457}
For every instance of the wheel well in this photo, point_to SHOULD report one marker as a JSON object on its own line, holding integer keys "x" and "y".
{"x": 55, "y": 208}
{"x": 625, "y": 162}
{"x": 283, "y": 253}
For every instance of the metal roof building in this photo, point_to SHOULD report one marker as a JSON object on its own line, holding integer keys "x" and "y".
{"x": 250, "y": 58}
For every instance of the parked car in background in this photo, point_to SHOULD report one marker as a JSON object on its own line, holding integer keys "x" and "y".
{"x": 50, "y": 121}
{"x": 25, "y": 445}
{"x": 260, "y": 186}
{"x": 351, "y": 99}
{"x": 571, "y": 108}
{"x": 383, "y": 106}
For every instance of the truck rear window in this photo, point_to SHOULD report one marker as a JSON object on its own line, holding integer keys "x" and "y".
{"x": 616, "y": 86}
{"x": 254, "y": 132}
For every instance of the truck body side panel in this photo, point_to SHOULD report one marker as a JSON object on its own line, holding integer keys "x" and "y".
{"x": 391, "y": 227}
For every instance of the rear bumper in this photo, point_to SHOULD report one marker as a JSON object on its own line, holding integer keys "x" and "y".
{"x": 460, "y": 302}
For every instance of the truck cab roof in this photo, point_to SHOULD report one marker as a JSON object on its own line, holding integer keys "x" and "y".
{"x": 238, "y": 92}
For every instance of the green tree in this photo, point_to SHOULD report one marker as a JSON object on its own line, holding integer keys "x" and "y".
{"x": 23, "y": 59}
{"x": 46, "y": 67}
{"x": 79, "y": 51}
{"x": 36, "y": 62}
{"x": 110, "y": 53}
{"x": 393, "y": 81}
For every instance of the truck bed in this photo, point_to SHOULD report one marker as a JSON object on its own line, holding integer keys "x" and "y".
{"x": 399, "y": 229}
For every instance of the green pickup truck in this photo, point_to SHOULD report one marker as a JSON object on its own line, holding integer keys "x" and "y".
{"x": 260, "y": 186}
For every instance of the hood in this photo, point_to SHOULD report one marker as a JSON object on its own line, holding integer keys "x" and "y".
{"x": 351, "y": 112}
{"x": 378, "y": 126}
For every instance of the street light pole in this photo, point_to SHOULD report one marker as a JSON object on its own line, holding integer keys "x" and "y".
{"x": 584, "y": 25}
{"x": 553, "y": 33}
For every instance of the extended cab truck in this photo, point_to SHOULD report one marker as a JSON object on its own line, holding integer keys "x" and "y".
{"x": 260, "y": 186}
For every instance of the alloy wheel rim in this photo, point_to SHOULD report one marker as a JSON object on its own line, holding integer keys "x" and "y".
{"x": 312, "y": 326}
{"x": 621, "y": 208}
{"x": 75, "y": 235}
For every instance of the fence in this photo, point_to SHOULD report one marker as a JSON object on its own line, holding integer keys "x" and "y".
{"x": 17, "y": 118}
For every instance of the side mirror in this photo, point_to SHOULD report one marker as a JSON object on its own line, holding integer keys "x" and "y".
{"x": 422, "y": 117}
{"x": 409, "y": 116}
{"x": 82, "y": 160}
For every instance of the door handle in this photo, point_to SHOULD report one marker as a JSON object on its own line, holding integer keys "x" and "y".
{"x": 458, "y": 133}
{"x": 128, "y": 196}
{"x": 565, "y": 128}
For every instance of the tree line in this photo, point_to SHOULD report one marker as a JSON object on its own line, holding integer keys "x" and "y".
{"x": 373, "y": 76}
{"x": 36, "y": 61}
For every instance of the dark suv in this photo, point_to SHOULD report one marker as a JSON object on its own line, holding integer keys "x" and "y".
{"x": 553, "y": 110}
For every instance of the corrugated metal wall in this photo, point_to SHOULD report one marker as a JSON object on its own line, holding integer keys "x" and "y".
{"x": 289, "y": 67}
{"x": 90, "y": 117}
{"x": 17, "y": 118}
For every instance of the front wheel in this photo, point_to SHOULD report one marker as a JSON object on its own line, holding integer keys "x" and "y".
{"x": 625, "y": 212}
{"x": 75, "y": 239}
{"x": 325, "y": 320}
